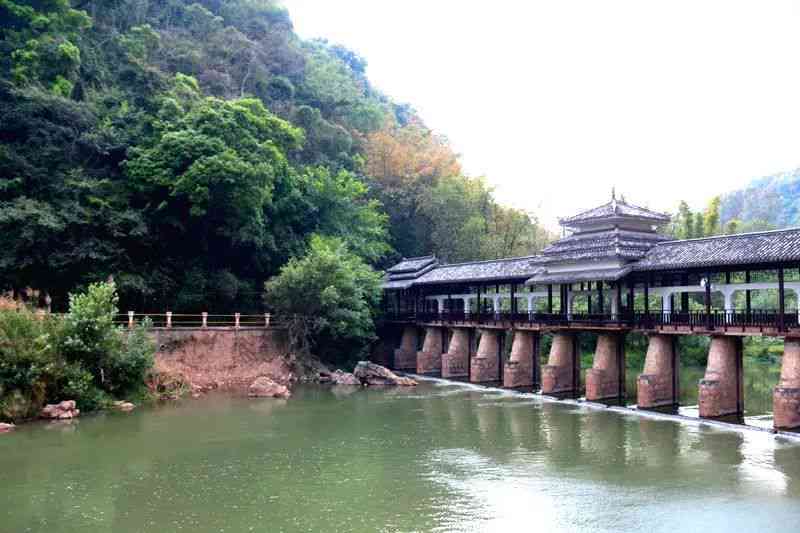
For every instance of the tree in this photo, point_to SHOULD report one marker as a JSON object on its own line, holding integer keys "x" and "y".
{"x": 685, "y": 223}
{"x": 711, "y": 217}
{"x": 331, "y": 297}
{"x": 699, "y": 225}
{"x": 732, "y": 227}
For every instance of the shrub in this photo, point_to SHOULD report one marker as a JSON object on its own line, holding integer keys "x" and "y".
{"x": 89, "y": 335}
{"x": 83, "y": 356}
{"x": 29, "y": 365}
{"x": 127, "y": 368}
{"x": 330, "y": 297}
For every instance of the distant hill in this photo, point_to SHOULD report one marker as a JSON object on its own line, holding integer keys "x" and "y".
{"x": 766, "y": 203}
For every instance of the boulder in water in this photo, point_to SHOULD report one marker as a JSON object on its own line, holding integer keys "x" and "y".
{"x": 61, "y": 411}
{"x": 264, "y": 387}
{"x": 344, "y": 378}
{"x": 7, "y": 428}
{"x": 371, "y": 374}
{"x": 124, "y": 406}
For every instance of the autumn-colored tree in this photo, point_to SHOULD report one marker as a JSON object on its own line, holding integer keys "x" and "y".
{"x": 403, "y": 164}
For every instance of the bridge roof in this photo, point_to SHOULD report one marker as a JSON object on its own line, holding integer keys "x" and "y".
{"x": 494, "y": 270}
{"x": 594, "y": 245}
{"x": 615, "y": 210}
{"x": 407, "y": 271}
{"x": 579, "y": 276}
{"x": 779, "y": 246}
{"x": 413, "y": 264}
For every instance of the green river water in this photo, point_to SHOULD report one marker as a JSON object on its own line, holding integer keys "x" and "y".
{"x": 438, "y": 457}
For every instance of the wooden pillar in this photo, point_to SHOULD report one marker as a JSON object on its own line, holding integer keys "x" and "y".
{"x": 747, "y": 301}
{"x": 600, "y": 297}
{"x": 709, "y": 322}
{"x": 781, "y": 301}
{"x": 550, "y": 299}
{"x": 513, "y": 299}
{"x": 684, "y": 294}
{"x": 647, "y": 301}
{"x": 631, "y": 297}
{"x": 478, "y": 304}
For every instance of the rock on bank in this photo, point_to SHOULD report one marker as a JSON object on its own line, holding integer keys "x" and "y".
{"x": 371, "y": 374}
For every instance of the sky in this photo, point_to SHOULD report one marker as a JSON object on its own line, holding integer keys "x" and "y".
{"x": 555, "y": 102}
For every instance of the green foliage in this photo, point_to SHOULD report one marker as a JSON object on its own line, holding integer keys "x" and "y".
{"x": 189, "y": 148}
{"x": 27, "y": 350}
{"x": 332, "y": 296}
{"x": 89, "y": 335}
{"x": 82, "y": 356}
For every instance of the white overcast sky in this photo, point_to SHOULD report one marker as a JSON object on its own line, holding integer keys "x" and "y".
{"x": 556, "y": 101}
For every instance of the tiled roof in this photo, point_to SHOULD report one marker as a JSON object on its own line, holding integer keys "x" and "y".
{"x": 616, "y": 243}
{"x": 743, "y": 249}
{"x": 412, "y": 264}
{"x": 499, "y": 269}
{"x": 397, "y": 284}
{"x": 578, "y": 276}
{"x": 406, "y": 272}
{"x": 616, "y": 209}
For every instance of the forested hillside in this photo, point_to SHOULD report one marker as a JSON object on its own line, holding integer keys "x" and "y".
{"x": 190, "y": 148}
{"x": 766, "y": 203}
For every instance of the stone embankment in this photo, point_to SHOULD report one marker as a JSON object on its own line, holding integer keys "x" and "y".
{"x": 203, "y": 360}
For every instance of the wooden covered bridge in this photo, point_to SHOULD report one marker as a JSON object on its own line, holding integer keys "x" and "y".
{"x": 613, "y": 273}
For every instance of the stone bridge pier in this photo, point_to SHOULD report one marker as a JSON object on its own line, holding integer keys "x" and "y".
{"x": 657, "y": 385}
{"x": 562, "y": 375}
{"x": 606, "y": 379}
{"x": 786, "y": 397}
{"x": 485, "y": 366}
{"x": 522, "y": 368}
{"x": 405, "y": 357}
{"x": 722, "y": 387}
{"x": 455, "y": 363}
{"x": 429, "y": 359}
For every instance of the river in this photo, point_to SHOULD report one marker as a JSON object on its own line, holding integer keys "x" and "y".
{"x": 439, "y": 457}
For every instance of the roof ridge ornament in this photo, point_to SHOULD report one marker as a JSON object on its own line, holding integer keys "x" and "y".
{"x": 614, "y": 199}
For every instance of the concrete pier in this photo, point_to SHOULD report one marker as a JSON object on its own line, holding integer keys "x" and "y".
{"x": 722, "y": 387}
{"x": 657, "y": 385}
{"x": 606, "y": 379}
{"x": 429, "y": 359}
{"x": 405, "y": 357}
{"x": 455, "y": 363}
{"x": 786, "y": 397}
{"x": 522, "y": 367}
{"x": 485, "y": 365}
{"x": 561, "y": 375}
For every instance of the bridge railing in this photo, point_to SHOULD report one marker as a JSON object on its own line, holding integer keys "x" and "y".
{"x": 717, "y": 319}
{"x": 201, "y": 320}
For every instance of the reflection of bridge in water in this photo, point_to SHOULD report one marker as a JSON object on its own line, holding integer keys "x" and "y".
{"x": 613, "y": 274}
{"x": 519, "y": 437}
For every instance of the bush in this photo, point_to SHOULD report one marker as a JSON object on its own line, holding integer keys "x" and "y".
{"x": 89, "y": 335}
{"x": 126, "y": 369}
{"x": 330, "y": 296}
{"x": 83, "y": 357}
